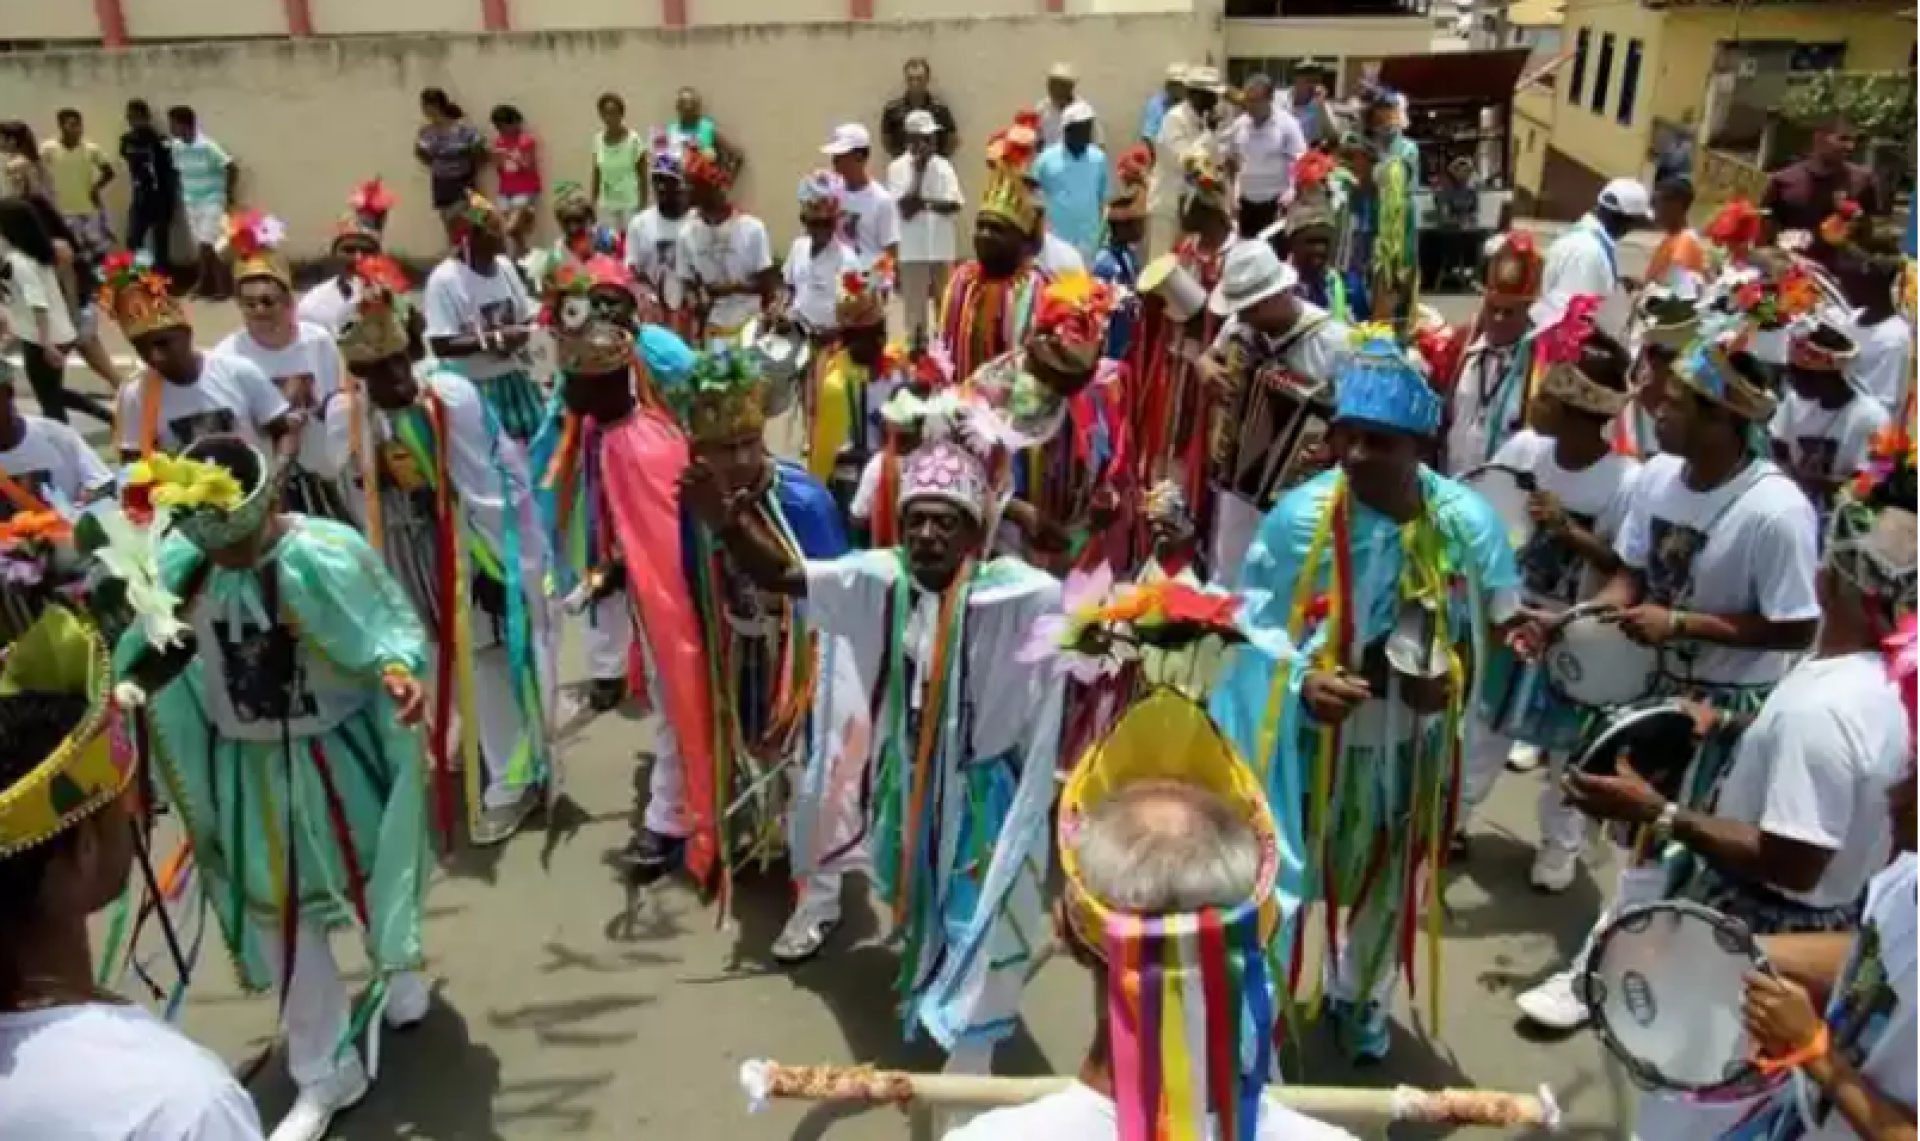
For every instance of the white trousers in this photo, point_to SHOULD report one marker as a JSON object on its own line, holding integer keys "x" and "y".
{"x": 500, "y": 723}
{"x": 921, "y": 285}
{"x": 318, "y": 1009}
{"x": 608, "y": 625}
{"x": 666, "y": 813}
{"x": 1562, "y": 827}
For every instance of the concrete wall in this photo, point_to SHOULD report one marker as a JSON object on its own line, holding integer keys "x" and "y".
{"x": 1679, "y": 52}
{"x": 1533, "y": 114}
{"x": 308, "y": 119}
{"x": 1367, "y": 37}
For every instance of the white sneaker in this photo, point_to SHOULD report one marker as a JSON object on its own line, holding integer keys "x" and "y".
{"x": 1554, "y": 869}
{"x": 1523, "y": 759}
{"x": 313, "y": 1110}
{"x": 806, "y": 932}
{"x": 408, "y": 996}
{"x": 1552, "y": 1004}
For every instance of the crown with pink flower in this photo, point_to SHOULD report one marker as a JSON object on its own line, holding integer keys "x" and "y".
{"x": 955, "y": 462}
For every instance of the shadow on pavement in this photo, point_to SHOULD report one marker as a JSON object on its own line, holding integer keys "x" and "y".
{"x": 1500, "y": 867}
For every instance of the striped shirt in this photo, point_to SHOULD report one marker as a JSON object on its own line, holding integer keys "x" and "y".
{"x": 202, "y": 165}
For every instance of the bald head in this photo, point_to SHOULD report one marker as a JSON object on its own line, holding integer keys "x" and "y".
{"x": 1160, "y": 847}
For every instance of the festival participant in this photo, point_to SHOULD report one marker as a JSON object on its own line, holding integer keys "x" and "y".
{"x": 300, "y": 359}
{"x": 81, "y": 1061}
{"x": 653, "y": 242}
{"x": 1385, "y": 241}
{"x": 47, "y": 471}
{"x": 1884, "y": 367}
{"x": 1274, "y": 354}
{"x": 359, "y": 234}
{"x": 869, "y": 217}
{"x": 1494, "y": 385}
{"x": 1679, "y": 262}
{"x": 1585, "y": 261}
{"x": 1717, "y": 566}
{"x": 1824, "y": 429}
{"x": 927, "y": 191}
{"x": 962, "y": 744}
{"x": 1183, "y": 128}
{"x": 1369, "y": 593}
{"x": 1163, "y": 834}
{"x": 817, "y": 258}
{"x": 1799, "y": 826}
{"x": 1582, "y": 491}
{"x": 442, "y": 492}
{"x": 1073, "y": 177}
{"x": 1174, "y": 542}
{"x": 857, "y": 378}
{"x": 479, "y": 316}
{"x": 1118, "y": 262}
{"x": 608, "y": 466}
{"x": 284, "y": 740}
{"x": 1801, "y": 196}
{"x": 1310, "y": 228}
{"x": 723, "y": 257}
{"x": 757, "y": 647}
{"x": 582, "y": 237}
{"x": 184, "y": 394}
{"x": 990, "y": 300}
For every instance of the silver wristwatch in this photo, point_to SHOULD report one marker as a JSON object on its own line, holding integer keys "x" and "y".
{"x": 1663, "y": 823}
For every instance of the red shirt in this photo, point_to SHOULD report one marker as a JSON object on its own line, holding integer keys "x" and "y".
{"x": 518, "y": 161}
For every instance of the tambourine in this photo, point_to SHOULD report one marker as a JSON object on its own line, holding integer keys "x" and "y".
{"x": 1507, "y": 490}
{"x": 1657, "y": 735}
{"x": 1592, "y": 662}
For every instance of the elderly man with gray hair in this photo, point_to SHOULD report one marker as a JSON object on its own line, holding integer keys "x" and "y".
{"x": 1166, "y": 843}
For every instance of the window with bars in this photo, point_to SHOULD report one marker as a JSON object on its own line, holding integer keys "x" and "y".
{"x": 1629, "y": 83}
{"x": 1579, "y": 82}
{"x": 1602, "y": 74}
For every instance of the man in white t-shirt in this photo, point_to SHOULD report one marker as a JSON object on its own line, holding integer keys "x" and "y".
{"x": 1262, "y": 145}
{"x": 1717, "y": 555}
{"x": 1824, "y": 430}
{"x": 77, "y": 1063}
{"x": 927, "y": 191}
{"x": 1157, "y": 847}
{"x": 1884, "y": 367}
{"x": 818, "y": 257}
{"x": 1586, "y": 259}
{"x": 653, "y": 237}
{"x": 869, "y": 218}
{"x": 1800, "y": 825}
{"x": 725, "y": 258}
{"x": 480, "y": 316}
{"x": 44, "y": 466}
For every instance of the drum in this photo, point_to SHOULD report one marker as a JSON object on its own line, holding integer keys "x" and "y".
{"x": 1592, "y": 662}
{"x": 1657, "y": 736}
{"x": 1663, "y": 985}
{"x": 1506, "y": 490}
{"x": 1165, "y": 278}
{"x": 782, "y": 349}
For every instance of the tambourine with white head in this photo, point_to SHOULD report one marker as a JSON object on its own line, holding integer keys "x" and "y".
{"x": 1664, "y": 985}
{"x": 1507, "y": 491}
{"x": 782, "y": 348}
{"x": 1658, "y": 736}
{"x": 1165, "y": 278}
{"x": 1592, "y": 662}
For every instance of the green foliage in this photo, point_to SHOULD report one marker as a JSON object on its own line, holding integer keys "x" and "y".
{"x": 1880, "y": 104}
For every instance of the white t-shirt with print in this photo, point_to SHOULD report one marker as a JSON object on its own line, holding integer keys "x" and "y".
{"x": 653, "y": 245}
{"x": 29, "y": 286}
{"x": 1884, "y": 367}
{"x": 1815, "y": 767}
{"x": 324, "y": 305}
{"x": 459, "y": 301}
{"x": 1077, "y": 1113}
{"x": 927, "y": 236}
{"x": 1597, "y": 498}
{"x": 232, "y": 395}
{"x": 114, "y": 1073}
{"x": 1879, "y": 992}
{"x": 1749, "y": 546}
{"x": 732, "y": 253}
{"x": 869, "y": 220}
{"x": 53, "y": 463}
{"x": 307, "y": 373}
{"x": 1831, "y": 443}
{"x": 814, "y": 279}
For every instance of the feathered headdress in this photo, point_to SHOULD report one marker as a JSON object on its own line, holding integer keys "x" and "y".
{"x": 253, "y": 242}
{"x": 1560, "y": 346}
{"x": 1010, "y": 194}
{"x": 139, "y": 299}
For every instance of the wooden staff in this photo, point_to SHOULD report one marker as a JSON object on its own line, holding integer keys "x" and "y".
{"x": 766, "y": 1080}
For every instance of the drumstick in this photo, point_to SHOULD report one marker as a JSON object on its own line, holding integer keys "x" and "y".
{"x": 766, "y": 1080}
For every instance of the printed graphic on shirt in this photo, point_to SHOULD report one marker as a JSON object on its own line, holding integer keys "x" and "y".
{"x": 1551, "y": 569}
{"x": 497, "y": 314}
{"x": 194, "y": 426}
{"x": 1670, "y": 569}
{"x": 1865, "y": 1000}
{"x": 262, "y": 681}
{"x": 402, "y": 471}
{"x": 1817, "y": 456}
{"x": 850, "y": 228}
{"x": 35, "y": 483}
{"x": 298, "y": 388}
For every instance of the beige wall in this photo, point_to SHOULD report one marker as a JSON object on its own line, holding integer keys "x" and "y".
{"x": 309, "y": 119}
{"x": 47, "y": 20}
{"x": 1358, "y": 37}
{"x": 359, "y": 18}
{"x": 198, "y": 19}
{"x": 1533, "y": 114}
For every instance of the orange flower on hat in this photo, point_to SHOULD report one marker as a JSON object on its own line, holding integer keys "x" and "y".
{"x": 34, "y": 526}
{"x": 1736, "y": 226}
{"x": 1312, "y": 169}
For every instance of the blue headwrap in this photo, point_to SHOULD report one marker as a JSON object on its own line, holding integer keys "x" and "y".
{"x": 668, "y": 358}
{"x": 1377, "y": 383}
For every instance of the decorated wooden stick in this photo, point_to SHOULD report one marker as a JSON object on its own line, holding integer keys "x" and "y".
{"x": 766, "y": 1080}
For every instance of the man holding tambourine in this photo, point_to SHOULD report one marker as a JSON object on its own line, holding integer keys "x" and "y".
{"x": 1718, "y": 555}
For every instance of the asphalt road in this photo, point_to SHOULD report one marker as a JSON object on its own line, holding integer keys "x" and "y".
{"x": 567, "y": 1005}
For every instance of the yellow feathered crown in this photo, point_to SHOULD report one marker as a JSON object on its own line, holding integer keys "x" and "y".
{"x": 1010, "y": 193}
{"x": 64, "y": 654}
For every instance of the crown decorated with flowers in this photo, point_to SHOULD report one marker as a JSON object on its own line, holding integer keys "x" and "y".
{"x": 702, "y": 167}
{"x": 63, "y": 655}
{"x": 1882, "y": 566}
{"x": 724, "y": 396}
{"x": 1736, "y": 227}
{"x": 139, "y": 299}
{"x": 475, "y": 212}
{"x": 1010, "y": 194}
{"x": 1708, "y": 369}
{"x": 587, "y": 308}
{"x": 1069, "y": 326}
{"x": 1206, "y": 179}
{"x": 253, "y": 242}
{"x": 376, "y": 327}
{"x": 367, "y": 209}
{"x": 861, "y": 295}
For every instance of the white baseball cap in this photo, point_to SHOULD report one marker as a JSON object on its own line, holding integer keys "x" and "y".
{"x": 1064, "y": 71}
{"x": 1205, "y": 79}
{"x": 922, "y": 123}
{"x": 1176, "y": 73}
{"x": 847, "y": 138}
{"x": 1252, "y": 274}
{"x": 1627, "y": 196}
{"x": 1078, "y": 111}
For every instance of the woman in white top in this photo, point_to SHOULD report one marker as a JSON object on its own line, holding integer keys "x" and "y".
{"x": 36, "y": 312}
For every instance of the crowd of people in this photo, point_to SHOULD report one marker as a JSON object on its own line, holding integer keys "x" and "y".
{"x": 1173, "y": 539}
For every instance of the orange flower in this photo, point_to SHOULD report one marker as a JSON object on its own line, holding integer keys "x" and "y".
{"x": 1130, "y": 604}
{"x": 1185, "y": 604}
{"x": 28, "y": 526}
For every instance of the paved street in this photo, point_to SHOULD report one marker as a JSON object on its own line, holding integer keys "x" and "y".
{"x": 568, "y": 1006}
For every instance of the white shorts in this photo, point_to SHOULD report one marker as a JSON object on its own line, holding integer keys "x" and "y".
{"x": 207, "y": 223}
{"x": 517, "y": 201}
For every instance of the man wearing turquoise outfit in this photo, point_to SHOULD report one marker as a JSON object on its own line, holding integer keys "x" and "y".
{"x": 1371, "y": 593}
{"x": 281, "y": 735}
